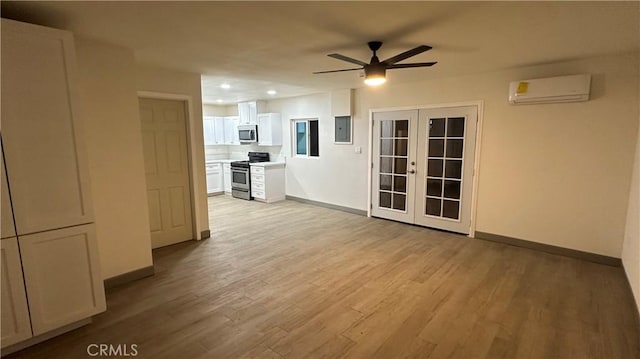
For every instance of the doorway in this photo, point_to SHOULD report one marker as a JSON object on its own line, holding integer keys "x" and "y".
{"x": 164, "y": 138}
{"x": 423, "y": 166}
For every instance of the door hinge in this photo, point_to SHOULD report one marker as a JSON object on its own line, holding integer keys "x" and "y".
{"x": 371, "y": 164}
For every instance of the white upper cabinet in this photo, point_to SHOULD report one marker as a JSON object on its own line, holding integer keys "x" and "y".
{"x": 248, "y": 111}
{"x": 231, "y": 130}
{"x": 269, "y": 129}
{"x": 44, "y": 148}
{"x": 213, "y": 130}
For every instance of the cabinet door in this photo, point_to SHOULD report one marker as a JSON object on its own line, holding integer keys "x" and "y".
{"x": 244, "y": 113}
{"x": 264, "y": 129}
{"x": 208, "y": 131}
{"x": 41, "y": 132}
{"x": 226, "y": 177}
{"x": 218, "y": 124}
{"x": 231, "y": 130}
{"x": 7, "y": 228}
{"x": 15, "y": 315}
{"x": 62, "y": 276}
{"x": 269, "y": 129}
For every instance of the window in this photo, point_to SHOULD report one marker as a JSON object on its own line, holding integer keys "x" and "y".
{"x": 305, "y": 139}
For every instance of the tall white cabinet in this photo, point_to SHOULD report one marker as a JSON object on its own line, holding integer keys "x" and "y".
{"x": 50, "y": 252}
{"x": 269, "y": 129}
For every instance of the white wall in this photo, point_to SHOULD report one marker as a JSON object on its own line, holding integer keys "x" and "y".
{"x": 553, "y": 173}
{"x": 151, "y": 79}
{"x": 109, "y": 108}
{"x": 338, "y": 176}
{"x": 631, "y": 246}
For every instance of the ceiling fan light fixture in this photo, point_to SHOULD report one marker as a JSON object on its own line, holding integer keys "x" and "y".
{"x": 375, "y": 76}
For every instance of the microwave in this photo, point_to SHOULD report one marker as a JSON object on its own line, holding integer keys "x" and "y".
{"x": 248, "y": 133}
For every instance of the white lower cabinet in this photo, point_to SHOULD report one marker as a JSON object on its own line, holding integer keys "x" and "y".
{"x": 214, "y": 178}
{"x": 15, "y": 313}
{"x": 226, "y": 175}
{"x": 62, "y": 280}
{"x": 267, "y": 182}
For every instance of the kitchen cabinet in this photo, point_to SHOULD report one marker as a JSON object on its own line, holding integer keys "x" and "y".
{"x": 226, "y": 175}
{"x": 7, "y": 228}
{"x": 231, "y": 130}
{"x": 54, "y": 248}
{"x": 269, "y": 129}
{"x": 248, "y": 111}
{"x": 267, "y": 181}
{"x": 214, "y": 178}
{"x": 61, "y": 259}
{"x": 213, "y": 130}
{"x": 16, "y": 326}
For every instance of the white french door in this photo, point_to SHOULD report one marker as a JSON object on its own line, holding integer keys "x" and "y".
{"x": 423, "y": 164}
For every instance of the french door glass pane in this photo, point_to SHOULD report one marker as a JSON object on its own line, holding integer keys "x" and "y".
{"x": 399, "y": 201}
{"x": 454, "y": 148}
{"x": 452, "y": 189}
{"x": 453, "y": 169}
{"x": 451, "y": 209}
{"x": 402, "y": 128}
{"x": 436, "y": 148}
{"x": 385, "y": 164}
{"x": 385, "y": 199}
{"x": 433, "y": 207}
{"x": 455, "y": 127}
{"x": 434, "y": 168}
{"x": 385, "y": 182}
{"x": 400, "y": 184}
{"x": 386, "y": 147}
{"x": 436, "y": 127}
{"x": 401, "y": 147}
{"x": 386, "y": 128}
{"x": 400, "y": 165}
{"x": 434, "y": 187}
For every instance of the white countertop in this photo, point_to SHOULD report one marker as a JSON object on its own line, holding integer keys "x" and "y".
{"x": 268, "y": 164}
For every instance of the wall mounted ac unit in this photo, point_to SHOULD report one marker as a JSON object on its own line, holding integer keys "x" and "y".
{"x": 572, "y": 88}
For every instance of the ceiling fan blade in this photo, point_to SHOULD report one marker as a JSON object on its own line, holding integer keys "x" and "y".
{"x": 326, "y": 72}
{"x": 407, "y": 54}
{"x": 406, "y": 66}
{"x": 348, "y": 59}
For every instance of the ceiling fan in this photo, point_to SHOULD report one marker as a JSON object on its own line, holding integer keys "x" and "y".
{"x": 375, "y": 70}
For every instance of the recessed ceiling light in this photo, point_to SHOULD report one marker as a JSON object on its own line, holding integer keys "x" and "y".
{"x": 225, "y": 86}
{"x": 272, "y": 92}
{"x": 219, "y": 101}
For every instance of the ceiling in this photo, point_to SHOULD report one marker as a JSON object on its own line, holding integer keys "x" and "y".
{"x": 260, "y": 46}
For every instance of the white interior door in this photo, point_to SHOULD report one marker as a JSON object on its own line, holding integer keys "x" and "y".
{"x": 444, "y": 177}
{"x": 423, "y": 164}
{"x": 167, "y": 170}
{"x": 394, "y": 154}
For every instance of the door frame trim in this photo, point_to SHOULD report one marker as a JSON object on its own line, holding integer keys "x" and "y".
{"x": 191, "y": 152}
{"x": 479, "y": 104}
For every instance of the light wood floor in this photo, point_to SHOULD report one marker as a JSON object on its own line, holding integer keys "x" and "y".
{"x": 290, "y": 280}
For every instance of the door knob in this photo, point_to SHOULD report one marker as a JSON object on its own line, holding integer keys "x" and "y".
{"x": 413, "y": 163}
{"x": 412, "y": 171}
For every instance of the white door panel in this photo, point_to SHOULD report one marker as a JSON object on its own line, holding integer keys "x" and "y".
{"x": 394, "y": 152}
{"x": 167, "y": 171}
{"x": 444, "y": 175}
{"x": 423, "y": 163}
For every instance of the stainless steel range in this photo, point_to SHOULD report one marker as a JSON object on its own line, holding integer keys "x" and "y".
{"x": 241, "y": 176}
